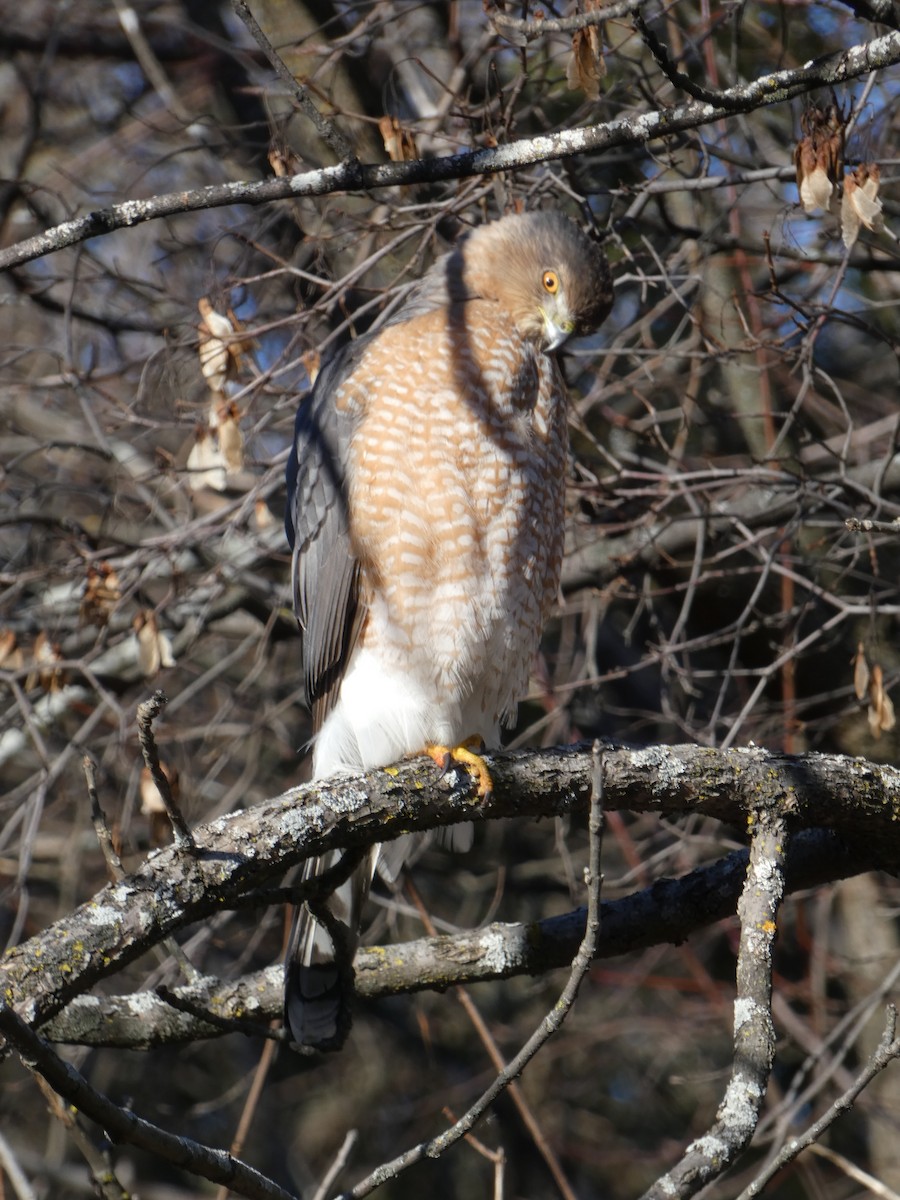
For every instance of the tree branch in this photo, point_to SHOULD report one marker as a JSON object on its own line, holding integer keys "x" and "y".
{"x": 666, "y": 912}
{"x": 770, "y": 88}
{"x": 520, "y": 30}
{"x": 709, "y": 1156}
{"x": 247, "y": 849}
{"x": 124, "y": 1126}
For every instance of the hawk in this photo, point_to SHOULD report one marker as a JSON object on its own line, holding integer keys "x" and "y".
{"x": 425, "y": 512}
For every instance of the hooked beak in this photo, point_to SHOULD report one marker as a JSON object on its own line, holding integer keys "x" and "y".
{"x": 557, "y": 329}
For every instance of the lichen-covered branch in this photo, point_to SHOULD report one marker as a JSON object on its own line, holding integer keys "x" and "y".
{"x": 248, "y": 849}
{"x": 668, "y": 911}
{"x": 710, "y": 1155}
{"x": 770, "y": 88}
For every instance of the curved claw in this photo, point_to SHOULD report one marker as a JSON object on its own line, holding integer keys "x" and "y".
{"x": 463, "y": 755}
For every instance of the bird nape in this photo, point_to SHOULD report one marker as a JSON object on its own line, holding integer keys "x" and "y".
{"x": 425, "y": 512}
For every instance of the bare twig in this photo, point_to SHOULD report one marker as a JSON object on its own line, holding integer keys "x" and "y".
{"x": 529, "y": 1120}
{"x": 114, "y": 863}
{"x": 887, "y": 1051}
{"x": 204, "y": 1015}
{"x": 98, "y": 1159}
{"x": 337, "y": 1165}
{"x": 326, "y": 129}
{"x": 146, "y": 714}
{"x": 150, "y": 64}
{"x": 678, "y": 78}
{"x": 875, "y": 1186}
{"x": 98, "y": 819}
{"x": 9, "y": 1164}
{"x": 867, "y": 525}
{"x": 497, "y": 1157}
{"x": 256, "y": 1088}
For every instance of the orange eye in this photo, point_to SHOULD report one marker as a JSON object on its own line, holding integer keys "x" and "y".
{"x": 551, "y": 282}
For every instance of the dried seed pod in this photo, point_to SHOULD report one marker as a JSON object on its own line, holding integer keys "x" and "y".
{"x": 819, "y": 156}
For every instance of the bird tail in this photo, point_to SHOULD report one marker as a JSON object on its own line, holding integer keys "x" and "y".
{"x": 318, "y": 965}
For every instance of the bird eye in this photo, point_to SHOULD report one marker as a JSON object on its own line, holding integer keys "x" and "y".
{"x": 551, "y": 282}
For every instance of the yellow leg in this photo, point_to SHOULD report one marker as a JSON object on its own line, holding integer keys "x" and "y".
{"x": 467, "y": 757}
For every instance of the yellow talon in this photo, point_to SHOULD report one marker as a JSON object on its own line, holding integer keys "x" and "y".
{"x": 465, "y": 756}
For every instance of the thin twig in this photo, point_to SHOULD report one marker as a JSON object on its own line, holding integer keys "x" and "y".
{"x": 146, "y": 714}
{"x": 98, "y": 819}
{"x": 203, "y": 1015}
{"x": 114, "y": 863}
{"x": 98, "y": 1159}
{"x": 326, "y": 129}
{"x": 866, "y": 525}
{"x": 497, "y": 1157}
{"x": 887, "y": 1050}
{"x": 150, "y": 64}
{"x": 256, "y": 1088}
{"x": 529, "y": 1120}
{"x": 857, "y": 1174}
{"x": 678, "y": 78}
{"x": 13, "y": 1172}
{"x": 337, "y": 1165}
{"x": 476, "y": 1143}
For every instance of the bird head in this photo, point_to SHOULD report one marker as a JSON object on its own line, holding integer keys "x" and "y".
{"x": 548, "y": 276}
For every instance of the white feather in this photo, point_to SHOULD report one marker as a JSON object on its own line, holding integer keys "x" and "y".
{"x": 383, "y": 713}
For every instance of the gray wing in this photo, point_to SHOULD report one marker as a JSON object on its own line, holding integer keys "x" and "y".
{"x": 324, "y": 572}
{"x": 329, "y": 609}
